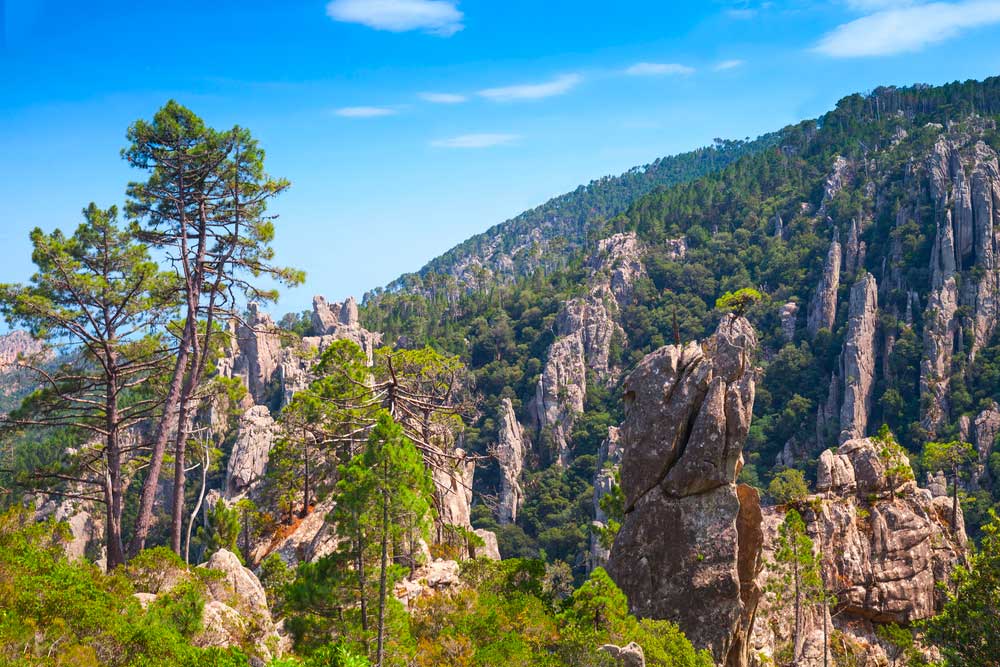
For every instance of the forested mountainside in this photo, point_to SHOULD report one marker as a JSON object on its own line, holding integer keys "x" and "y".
{"x": 847, "y": 225}
{"x": 547, "y": 235}
{"x": 749, "y": 419}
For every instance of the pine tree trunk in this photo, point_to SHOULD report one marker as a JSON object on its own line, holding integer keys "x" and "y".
{"x": 114, "y": 492}
{"x": 383, "y": 581}
{"x": 144, "y": 520}
{"x": 180, "y": 475}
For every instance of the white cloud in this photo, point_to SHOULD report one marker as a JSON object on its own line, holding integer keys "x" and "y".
{"x": 364, "y": 112}
{"x": 533, "y": 91}
{"x": 443, "y": 98}
{"x": 729, "y": 64}
{"x": 905, "y": 29}
{"x": 438, "y": 17}
{"x": 658, "y": 69}
{"x": 877, "y": 5}
{"x": 485, "y": 140}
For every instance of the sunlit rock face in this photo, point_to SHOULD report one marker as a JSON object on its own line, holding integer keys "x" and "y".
{"x": 688, "y": 548}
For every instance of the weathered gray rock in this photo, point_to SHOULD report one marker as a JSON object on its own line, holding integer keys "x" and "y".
{"x": 986, "y": 429}
{"x": 621, "y": 256}
{"x": 858, "y": 359}
{"x": 258, "y": 343}
{"x": 313, "y": 538}
{"x": 684, "y": 552}
{"x": 248, "y": 460}
{"x": 823, "y": 307}
{"x": 490, "y": 548}
{"x": 608, "y": 463}
{"x": 788, "y": 314}
{"x": 453, "y": 477}
{"x": 511, "y": 449}
{"x": 630, "y": 655}
{"x": 586, "y": 329}
{"x": 886, "y": 553}
{"x": 841, "y": 173}
{"x": 937, "y": 484}
{"x": 339, "y": 321}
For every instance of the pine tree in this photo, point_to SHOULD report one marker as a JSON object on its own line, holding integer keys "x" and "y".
{"x": 797, "y": 580}
{"x": 204, "y": 205}
{"x": 99, "y": 291}
{"x": 383, "y": 501}
{"x": 954, "y": 457}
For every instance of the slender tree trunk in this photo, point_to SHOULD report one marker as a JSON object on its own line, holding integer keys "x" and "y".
{"x": 144, "y": 520}
{"x": 197, "y": 506}
{"x": 113, "y": 478}
{"x": 798, "y": 605}
{"x": 362, "y": 583}
{"x": 383, "y": 581}
{"x": 305, "y": 482}
{"x": 180, "y": 476}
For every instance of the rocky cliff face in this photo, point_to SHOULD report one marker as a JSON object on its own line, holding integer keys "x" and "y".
{"x": 823, "y": 309}
{"x": 694, "y": 544}
{"x": 688, "y": 533}
{"x": 858, "y": 359}
{"x": 512, "y": 446}
{"x": 248, "y": 459}
{"x": 887, "y": 551}
{"x": 586, "y": 329}
{"x": 609, "y": 459}
{"x": 964, "y": 184}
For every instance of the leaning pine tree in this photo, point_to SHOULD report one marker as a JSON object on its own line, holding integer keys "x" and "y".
{"x": 204, "y": 206}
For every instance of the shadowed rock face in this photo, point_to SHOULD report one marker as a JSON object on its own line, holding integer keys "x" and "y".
{"x": 688, "y": 547}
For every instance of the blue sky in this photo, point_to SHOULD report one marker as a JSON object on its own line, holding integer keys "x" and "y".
{"x": 406, "y": 126}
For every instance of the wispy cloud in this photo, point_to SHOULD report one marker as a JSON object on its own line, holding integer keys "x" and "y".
{"x": 443, "y": 98}
{"x": 729, "y": 64}
{"x": 533, "y": 91}
{"x": 364, "y": 112}
{"x": 658, "y": 69}
{"x": 484, "y": 140}
{"x": 905, "y": 29}
{"x": 437, "y": 17}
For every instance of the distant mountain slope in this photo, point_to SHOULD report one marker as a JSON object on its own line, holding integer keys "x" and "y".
{"x": 548, "y": 234}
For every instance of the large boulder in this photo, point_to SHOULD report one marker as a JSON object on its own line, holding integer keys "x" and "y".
{"x": 688, "y": 548}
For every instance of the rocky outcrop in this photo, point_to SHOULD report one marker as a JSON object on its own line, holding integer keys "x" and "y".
{"x": 684, "y": 552}
{"x": 430, "y": 579}
{"x": 823, "y": 308}
{"x": 453, "y": 477}
{"x": 986, "y": 428}
{"x": 886, "y": 548}
{"x": 235, "y": 613}
{"x": 255, "y": 354}
{"x": 630, "y": 655}
{"x": 964, "y": 184}
{"x": 511, "y": 448}
{"x": 858, "y": 359}
{"x": 788, "y": 315}
{"x": 332, "y": 322}
{"x": 609, "y": 458}
{"x": 311, "y": 539}
{"x": 340, "y": 321}
{"x": 586, "y": 330}
{"x": 248, "y": 460}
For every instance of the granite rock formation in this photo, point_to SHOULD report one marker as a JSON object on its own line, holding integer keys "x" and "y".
{"x": 248, "y": 461}
{"x": 858, "y": 359}
{"x": 687, "y": 549}
{"x": 586, "y": 329}
{"x": 823, "y": 308}
{"x": 887, "y": 551}
{"x": 511, "y": 448}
